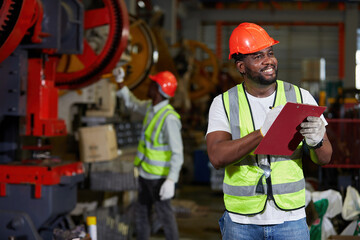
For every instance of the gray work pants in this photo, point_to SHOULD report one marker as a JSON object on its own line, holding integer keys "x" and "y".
{"x": 147, "y": 199}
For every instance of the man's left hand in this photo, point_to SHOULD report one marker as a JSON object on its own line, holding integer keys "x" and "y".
{"x": 313, "y": 130}
{"x": 167, "y": 189}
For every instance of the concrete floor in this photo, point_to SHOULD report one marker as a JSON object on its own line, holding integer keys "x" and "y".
{"x": 198, "y": 209}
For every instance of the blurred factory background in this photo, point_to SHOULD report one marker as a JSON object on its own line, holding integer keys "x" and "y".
{"x": 67, "y": 144}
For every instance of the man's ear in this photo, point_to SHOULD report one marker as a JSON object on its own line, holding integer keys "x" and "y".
{"x": 240, "y": 66}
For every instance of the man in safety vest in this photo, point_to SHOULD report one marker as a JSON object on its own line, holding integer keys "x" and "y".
{"x": 264, "y": 195}
{"x": 159, "y": 156}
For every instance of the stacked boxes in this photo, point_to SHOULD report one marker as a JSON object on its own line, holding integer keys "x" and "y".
{"x": 98, "y": 143}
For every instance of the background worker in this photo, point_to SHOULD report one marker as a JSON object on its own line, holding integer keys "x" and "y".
{"x": 159, "y": 155}
{"x": 264, "y": 195}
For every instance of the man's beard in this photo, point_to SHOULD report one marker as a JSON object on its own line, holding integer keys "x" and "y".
{"x": 258, "y": 78}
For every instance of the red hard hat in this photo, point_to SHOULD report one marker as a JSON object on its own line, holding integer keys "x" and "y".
{"x": 249, "y": 38}
{"x": 166, "y": 81}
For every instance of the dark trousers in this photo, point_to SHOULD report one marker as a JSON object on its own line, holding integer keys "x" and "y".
{"x": 147, "y": 199}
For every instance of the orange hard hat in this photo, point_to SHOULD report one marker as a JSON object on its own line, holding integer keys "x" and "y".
{"x": 166, "y": 81}
{"x": 249, "y": 38}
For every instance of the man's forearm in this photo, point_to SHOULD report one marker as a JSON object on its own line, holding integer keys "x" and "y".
{"x": 322, "y": 155}
{"x": 131, "y": 101}
{"x": 227, "y": 151}
{"x": 175, "y": 166}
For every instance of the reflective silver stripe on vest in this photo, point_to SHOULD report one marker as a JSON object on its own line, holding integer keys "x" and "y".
{"x": 158, "y": 148}
{"x": 153, "y": 162}
{"x": 234, "y": 113}
{"x": 140, "y": 155}
{"x": 290, "y": 93}
{"x": 240, "y": 191}
{"x": 158, "y": 123}
{"x": 248, "y": 191}
{"x": 153, "y": 135}
{"x": 285, "y": 188}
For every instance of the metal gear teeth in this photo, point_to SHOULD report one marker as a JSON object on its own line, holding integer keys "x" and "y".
{"x": 5, "y": 13}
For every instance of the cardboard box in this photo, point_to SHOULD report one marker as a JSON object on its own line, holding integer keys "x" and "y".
{"x": 313, "y": 70}
{"x": 98, "y": 143}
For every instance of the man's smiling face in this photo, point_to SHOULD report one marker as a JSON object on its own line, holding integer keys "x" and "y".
{"x": 261, "y": 67}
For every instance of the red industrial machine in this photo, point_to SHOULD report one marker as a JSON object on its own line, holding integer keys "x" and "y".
{"x": 37, "y": 193}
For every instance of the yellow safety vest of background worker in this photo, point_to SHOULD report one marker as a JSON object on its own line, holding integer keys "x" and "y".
{"x": 159, "y": 156}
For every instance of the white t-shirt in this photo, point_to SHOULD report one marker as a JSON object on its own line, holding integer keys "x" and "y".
{"x": 218, "y": 122}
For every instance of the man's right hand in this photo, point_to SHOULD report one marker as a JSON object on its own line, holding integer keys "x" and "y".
{"x": 270, "y": 118}
{"x": 167, "y": 190}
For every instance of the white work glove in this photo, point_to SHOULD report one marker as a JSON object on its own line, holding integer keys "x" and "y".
{"x": 167, "y": 189}
{"x": 313, "y": 130}
{"x": 270, "y": 118}
{"x": 119, "y": 74}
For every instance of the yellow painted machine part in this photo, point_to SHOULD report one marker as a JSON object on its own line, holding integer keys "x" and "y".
{"x": 205, "y": 74}
{"x": 69, "y": 63}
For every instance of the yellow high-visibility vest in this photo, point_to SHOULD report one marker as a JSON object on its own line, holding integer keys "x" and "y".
{"x": 153, "y": 156}
{"x": 286, "y": 184}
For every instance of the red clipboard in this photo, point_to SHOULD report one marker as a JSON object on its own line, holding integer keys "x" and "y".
{"x": 283, "y": 136}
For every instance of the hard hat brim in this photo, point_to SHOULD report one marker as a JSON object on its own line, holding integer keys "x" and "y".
{"x": 256, "y": 50}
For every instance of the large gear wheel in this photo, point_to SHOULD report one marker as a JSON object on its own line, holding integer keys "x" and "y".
{"x": 15, "y": 20}
{"x": 77, "y": 71}
{"x": 143, "y": 51}
{"x": 202, "y": 71}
